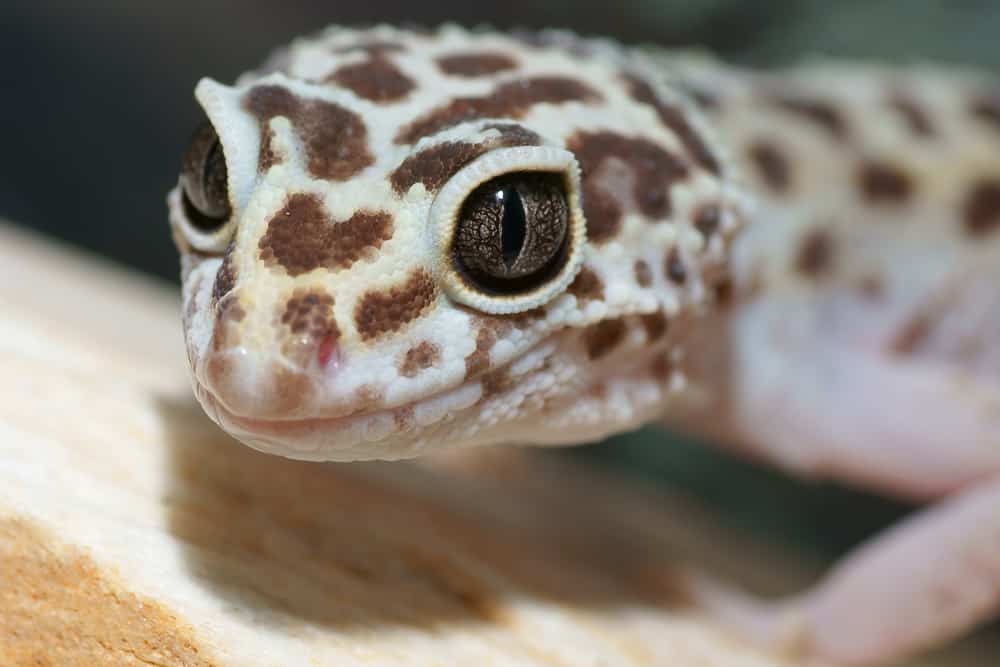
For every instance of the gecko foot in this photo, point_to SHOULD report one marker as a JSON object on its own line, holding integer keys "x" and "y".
{"x": 927, "y": 580}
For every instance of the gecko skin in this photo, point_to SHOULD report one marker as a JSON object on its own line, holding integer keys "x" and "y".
{"x": 398, "y": 241}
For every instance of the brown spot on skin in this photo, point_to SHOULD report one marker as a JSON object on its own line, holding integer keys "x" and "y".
{"x": 512, "y": 134}
{"x": 987, "y": 109}
{"x": 815, "y": 256}
{"x": 496, "y": 382}
{"x": 403, "y": 418}
{"x": 309, "y": 314}
{"x": 643, "y": 274}
{"x": 335, "y": 139}
{"x": 377, "y": 80}
{"x": 479, "y": 360}
{"x": 915, "y": 117}
{"x": 654, "y": 169}
{"x": 662, "y": 368}
{"x": 501, "y": 325}
{"x": 821, "y": 113}
{"x": 673, "y": 266}
{"x": 368, "y": 397}
{"x": 707, "y": 219}
{"x": 982, "y": 208}
{"x": 528, "y": 318}
{"x": 604, "y": 215}
{"x": 419, "y": 358}
{"x": 771, "y": 165}
{"x": 587, "y": 286}
{"x": 675, "y": 120}
{"x": 598, "y": 391}
{"x": 225, "y": 279}
{"x": 302, "y": 236}
{"x": 881, "y": 182}
{"x": 387, "y": 311}
{"x": 601, "y": 338}
{"x": 724, "y": 293}
{"x": 475, "y": 63}
{"x": 61, "y": 608}
{"x": 268, "y": 157}
{"x": 509, "y": 100}
{"x": 434, "y": 166}
{"x": 655, "y": 325}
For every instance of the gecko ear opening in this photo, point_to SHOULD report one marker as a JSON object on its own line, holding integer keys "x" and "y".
{"x": 508, "y": 230}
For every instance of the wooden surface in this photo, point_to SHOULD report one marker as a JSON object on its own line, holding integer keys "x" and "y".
{"x": 134, "y": 532}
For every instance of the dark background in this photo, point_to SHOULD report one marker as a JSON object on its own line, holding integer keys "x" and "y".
{"x": 96, "y": 108}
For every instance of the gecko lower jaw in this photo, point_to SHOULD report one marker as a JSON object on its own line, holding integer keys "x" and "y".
{"x": 359, "y": 436}
{"x": 385, "y": 432}
{"x": 465, "y": 414}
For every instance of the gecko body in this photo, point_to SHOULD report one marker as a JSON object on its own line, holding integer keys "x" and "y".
{"x": 397, "y": 241}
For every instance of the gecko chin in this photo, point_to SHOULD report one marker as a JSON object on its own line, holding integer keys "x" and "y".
{"x": 540, "y": 398}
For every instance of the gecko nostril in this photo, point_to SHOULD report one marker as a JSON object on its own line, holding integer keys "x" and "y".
{"x": 309, "y": 328}
{"x": 328, "y": 352}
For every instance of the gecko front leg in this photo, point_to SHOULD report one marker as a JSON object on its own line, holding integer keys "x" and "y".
{"x": 924, "y": 431}
{"x": 925, "y": 581}
{"x": 862, "y": 341}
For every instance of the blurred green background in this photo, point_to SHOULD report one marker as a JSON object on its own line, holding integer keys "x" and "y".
{"x": 97, "y": 107}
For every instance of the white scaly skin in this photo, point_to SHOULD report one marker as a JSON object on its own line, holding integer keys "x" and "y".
{"x": 852, "y": 340}
{"x": 263, "y": 382}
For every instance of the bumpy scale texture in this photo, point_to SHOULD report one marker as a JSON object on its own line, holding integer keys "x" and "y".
{"x": 321, "y": 330}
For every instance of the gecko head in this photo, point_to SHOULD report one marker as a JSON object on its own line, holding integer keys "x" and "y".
{"x": 396, "y": 241}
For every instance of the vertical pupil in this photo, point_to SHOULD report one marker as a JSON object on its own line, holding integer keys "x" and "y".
{"x": 513, "y": 226}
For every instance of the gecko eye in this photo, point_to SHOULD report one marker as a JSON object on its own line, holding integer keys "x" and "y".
{"x": 507, "y": 230}
{"x": 200, "y": 209}
{"x": 511, "y": 232}
{"x": 204, "y": 181}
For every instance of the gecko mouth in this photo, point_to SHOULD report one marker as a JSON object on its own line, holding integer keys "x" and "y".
{"x": 388, "y": 431}
{"x": 539, "y": 380}
{"x": 357, "y": 436}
